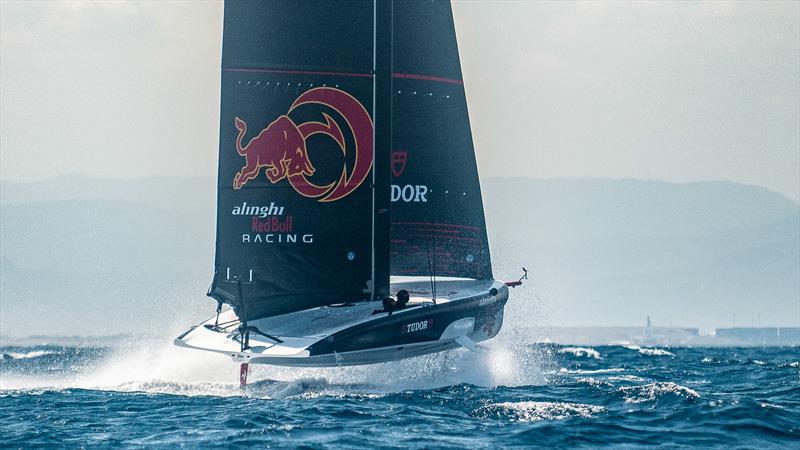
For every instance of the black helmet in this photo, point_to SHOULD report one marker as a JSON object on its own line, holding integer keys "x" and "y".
{"x": 402, "y": 297}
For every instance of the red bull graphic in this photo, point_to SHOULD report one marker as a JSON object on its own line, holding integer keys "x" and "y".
{"x": 280, "y": 148}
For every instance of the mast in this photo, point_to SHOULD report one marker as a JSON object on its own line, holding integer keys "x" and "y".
{"x": 382, "y": 97}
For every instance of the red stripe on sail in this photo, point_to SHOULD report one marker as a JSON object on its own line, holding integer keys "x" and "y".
{"x": 413, "y": 76}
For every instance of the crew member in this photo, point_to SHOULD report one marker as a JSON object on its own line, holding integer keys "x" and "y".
{"x": 402, "y": 299}
{"x": 390, "y": 304}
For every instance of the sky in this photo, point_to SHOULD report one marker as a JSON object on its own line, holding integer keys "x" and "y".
{"x": 647, "y": 90}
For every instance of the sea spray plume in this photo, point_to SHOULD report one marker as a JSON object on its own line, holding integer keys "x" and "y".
{"x": 46, "y": 365}
{"x": 136, "y": 363}
{"x": 152, "y": 364}
{"x": 497, "y": 366}
{"x": 26, "y": 355}
{"x": 511, "y": 359}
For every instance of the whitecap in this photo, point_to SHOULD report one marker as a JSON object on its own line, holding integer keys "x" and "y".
{"x": 652, "y": 391}
{"x": 581, "y": 351}
{"x": 26, "y": 355}
{"x": 649, "y": 351}
{"x": 770, "y": 405}
{"x": 537, "y": 411}
{"x": 177, "y": 388}
{"x": 632, "y": 378}
{"x": 655, "y": 352}
{"x": 592, "y": 382}
{"x": 591, "y": 372}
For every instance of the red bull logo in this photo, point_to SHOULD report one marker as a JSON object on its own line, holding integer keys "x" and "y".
{"x": 280, "y": 148}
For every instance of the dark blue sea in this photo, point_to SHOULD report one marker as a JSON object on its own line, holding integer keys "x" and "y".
{"x": 135, "y": 393}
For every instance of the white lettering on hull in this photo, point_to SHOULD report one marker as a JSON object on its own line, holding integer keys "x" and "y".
{"x": 417, "y": 326}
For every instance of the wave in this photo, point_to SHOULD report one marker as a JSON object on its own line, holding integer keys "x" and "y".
{"x": 591, "y": 372}
{"x": 581, "y": 351}
{"x": 153, "y": 366}
{"x": 26, "y": 355}
{"x": 650, "y": 351}
{"x": 628, "y": 378}
{"x": 530, "y": 411}
{"x": 593, "y": 382}
{"x": 653, "y": 391}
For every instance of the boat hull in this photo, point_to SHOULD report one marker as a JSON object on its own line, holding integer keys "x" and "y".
{"x": 470, "y": 315}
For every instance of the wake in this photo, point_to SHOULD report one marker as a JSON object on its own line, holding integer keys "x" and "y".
{"x": 156, "y": 366}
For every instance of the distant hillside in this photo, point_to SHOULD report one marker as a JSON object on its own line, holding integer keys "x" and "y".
{"x": 181, "y": 194}
{"x": 106, "y": 236}
{"x": 136, "y": 256}
{"x": 610, "y": 252}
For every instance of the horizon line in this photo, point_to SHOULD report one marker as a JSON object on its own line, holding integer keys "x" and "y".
{"x": 500, "y": 177}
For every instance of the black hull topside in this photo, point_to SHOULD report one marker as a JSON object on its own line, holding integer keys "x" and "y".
{"x": 417, "y": 332}
{"x": 466, "y": 311}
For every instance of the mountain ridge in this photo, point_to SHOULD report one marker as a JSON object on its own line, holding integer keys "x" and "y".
{"x": 600, "y": 251}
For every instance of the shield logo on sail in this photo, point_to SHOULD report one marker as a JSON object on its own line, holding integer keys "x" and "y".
{"x": 399, "y": 160}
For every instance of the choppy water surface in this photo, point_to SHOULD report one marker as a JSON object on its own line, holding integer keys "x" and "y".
{"x": 536, "y": 395}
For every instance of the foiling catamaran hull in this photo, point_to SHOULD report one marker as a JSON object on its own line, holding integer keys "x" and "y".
{"x": 465, "y": 312}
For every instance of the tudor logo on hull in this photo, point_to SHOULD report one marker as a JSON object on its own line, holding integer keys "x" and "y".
{"x": 280, "y": 148}
{"x": 416, "y": 326}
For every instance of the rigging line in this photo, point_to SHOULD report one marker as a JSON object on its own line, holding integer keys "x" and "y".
{"x": 219, "y": 309}
{"x": 229, "y": 322}
{"x": 374, "y": 138}
{"x": 430, "y": 270}
{"x": 434, "y": 269}
{"x": 268, "y": 336}
{"x": 243, "y": 329}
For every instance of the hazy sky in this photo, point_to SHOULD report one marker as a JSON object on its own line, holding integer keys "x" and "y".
{"x": 672, "y": 91}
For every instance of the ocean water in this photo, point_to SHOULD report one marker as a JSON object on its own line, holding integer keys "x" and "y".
{"x": 117, "y": 394}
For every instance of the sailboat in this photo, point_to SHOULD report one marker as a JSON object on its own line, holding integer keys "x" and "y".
{"x": 347, "y": 179}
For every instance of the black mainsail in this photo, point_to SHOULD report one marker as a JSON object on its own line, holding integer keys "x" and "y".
{"x": 296, "y": 178}
{"x": 345, "y": 154}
